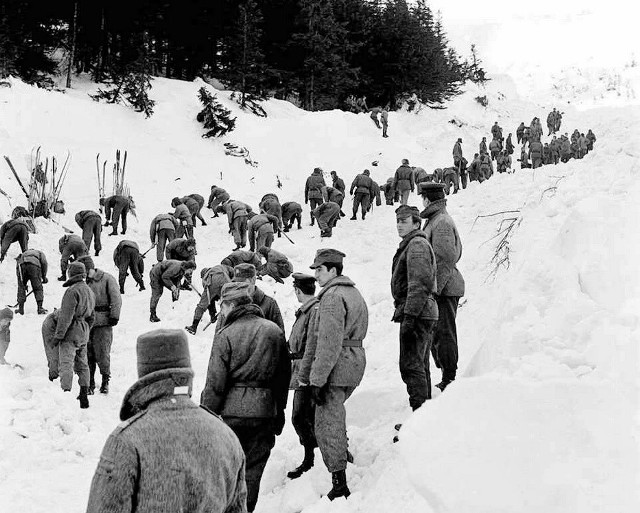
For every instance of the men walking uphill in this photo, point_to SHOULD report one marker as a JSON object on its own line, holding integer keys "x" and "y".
{"x": 14, "y": 230}
{"x": 31, "y": 268}
{"x": 127, "y": 257}
{"x": 169, "y": 274}
{"x": 237, "y": 213}
{"x": 413, "y": 283}
{"x": 247, "y": 380}
{"x": 213, "y": 278}
{"x": 291, "y": 212}
{"x": 303, "y": 412}
{"x": 443, "y": 236}
{"x": 185, "y": 220}
{"x": 107, "y": 314}
{"x": 162, "y": 230}
{"x": 403, "y": 181}
{"x": 115, "y": 208}
{"x": 362, "y": 187}
{"x": 334, "y": 361}
{"x": 90, "y": 223}
{"x": 313, "y": 190}
{"x": 71, "y": 247}
{"x": 75, "y": 318}
{"x": 217, "y": 197}
{"x": 167, "y": 454}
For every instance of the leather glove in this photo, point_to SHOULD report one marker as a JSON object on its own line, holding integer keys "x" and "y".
{"x": 45, "y": 280}
{"x": 318, "y": 395}
{"x": 113, "y": 321}
{"x": 279, "y": 423}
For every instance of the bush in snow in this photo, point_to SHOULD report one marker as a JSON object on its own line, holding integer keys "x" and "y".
{"x": 482, "y": 100}
{"x": 215, "y": 118}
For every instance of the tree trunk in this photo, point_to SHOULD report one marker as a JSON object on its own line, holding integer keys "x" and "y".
{"x": 72, "y": 52}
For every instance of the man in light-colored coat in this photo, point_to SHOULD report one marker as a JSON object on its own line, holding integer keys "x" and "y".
{"x": 162, "y": 230}
{"x": 91, "y": 224}
{"x": 168, "y": 454}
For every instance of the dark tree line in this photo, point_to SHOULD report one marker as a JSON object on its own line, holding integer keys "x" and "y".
{"x": 317, "y": 52}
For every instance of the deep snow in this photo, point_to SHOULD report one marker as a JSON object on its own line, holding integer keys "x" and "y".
{"x": 544, "y": 414}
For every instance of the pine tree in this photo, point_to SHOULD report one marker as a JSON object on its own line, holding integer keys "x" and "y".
{"x": 475, "y": 72}
{"x": 215, "y": 118}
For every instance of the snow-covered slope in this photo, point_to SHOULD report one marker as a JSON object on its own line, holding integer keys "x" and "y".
{"x": 543, "y": 415}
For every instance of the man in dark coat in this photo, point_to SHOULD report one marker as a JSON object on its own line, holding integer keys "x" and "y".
{"x": 241, "y": 256}
{"x": 75, "y": 318}
{"x": 413, "y": 283}
{"x": 535, "y": 154}
{"x": 328, "y": 215}
{"x": 261, "y": 230}
{"x": 213, "y": 278}
{"x": 162, "y": 230}
{"x": 195, "y": 209}
{"x": 217, "y": 197}
{"x": 303, "y": 412}
{"x": 509, "y": 145}
{"x": 361, "y": 191}
{"x": 276, "y": 264}
{"x": 31, "y": 267}
{"x": 167, "y": 454}
{"x": 116, "y": 207}
{"x": 107, "y": 314}
{"x": 591, "y": 137}
{"x": 270, "y": 204}
{"x": 384, "y": 119}
{"x": 403, "y": 181}
{"x": 333, "y": 194}
{"x": 91, "y": 224}
{"x": 127, "y": 257}
{"x": 520, "y": 133}
{"x": 248, "y": 379}
{"x": 237, "y": 213}
{"x": 291, "y": 212}
{"x": 167, "y": 274}
{"x": 14, "y": 230}
{"x": 71, "y": 248}
{"x": 184, "y": 218}
{"x": 313, "y": 190}
{"x": 457, "y": 154}
{"x": 183, "y": 250}
{"x": 496, "y": 131}
{"x": 334, "y": 361}
{"x": 443, "y": 236}
{"x": 338, "y": 183}
{"x": 246, "y": 273}
{"x": 474, "y": 169}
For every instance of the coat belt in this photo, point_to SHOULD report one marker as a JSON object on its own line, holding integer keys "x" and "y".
{"x": 351, "y": 343}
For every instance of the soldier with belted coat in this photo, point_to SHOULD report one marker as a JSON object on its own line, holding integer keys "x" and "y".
{"x": 31, "y": 268}
{"x": 334, "y": 361}
{"x": 168, "y": 454}
{"x": 162, "y": 230}
{"x": 248, "y": 379}
{"x": 443, "y": 236}
{"x": 403, "y": 181}
{"x": 261, "y": 229}
{"x": 237, "y": 213}
{"x": 90, "y": 223}
{"x": 313, "y": 190}
{"x": 127, "y": 257}
{"x": 361, "y": 190}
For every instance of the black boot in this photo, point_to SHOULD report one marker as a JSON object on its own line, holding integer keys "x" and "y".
{"x": 20, "y": 309}
{"x": 194, "y": 326}
{"x": 306, "y": 464}
{"x": 340, "y": 488}
{"x": 444, "y": 384}
{"x": 141, "y": 286}
{"x": 41, "y": 310}
{"x": 104, "y": 387}
{"x": 353, "y": 217}
{"x": 153, "y": 317}
{"x": 83, "y": 397}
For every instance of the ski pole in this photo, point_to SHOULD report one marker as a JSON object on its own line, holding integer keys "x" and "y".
{"x": 16, "y": 175}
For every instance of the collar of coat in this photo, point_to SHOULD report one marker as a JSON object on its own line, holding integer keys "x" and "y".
{"x": 73, "y": 280}
{"x": 409, "y": 236}
{"x": 99, "y": 274}
{"x": 338, "y": 280}
{"x": 434, "y": 208}
{"x": 154, "y": 386}
{"x": 241, "y": 311}
{"x": 306, "y": 306}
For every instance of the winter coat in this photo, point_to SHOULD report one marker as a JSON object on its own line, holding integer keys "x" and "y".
{"x": 114, "y": 203}
{"x": 199, "y": 199}
{"x": 236, "y": 209}
{"x": 34, "y": 257}
{"x": 496, "y": 131}
{"x": 76, "y": 312}
{"x": 485, "y": 165}
{"x": 338, "y": 183}
{"x": 269, "y": 307}
{"x": 71, "y": 246}
{"x": 361, "y": 184}
{"x": 333, "y": 194}
{"x": 443, "y": 236}
{"x": 271, "y": 205}
{"x": 420, "y": 175}
{"x": 192, "y": 204}
{"x": 263, "y": 223}
{"x": 107, "y": 297}
{"x": 413, "y": 278}
{"x": 325, "y": 212}
{"x": 509, "y": 145}
{"x": 121, "y": 245}
{"x": 403, "y": 179}
{"x": 249, "y": 367}
{"x": 217, "y": 193}
{"x": 278, "y": 262}
{"x": 520, "y": 129}
{"x": 168, "y": 454}
{"x": 183, "y": 215}
{"x": 84, "y": 215}
{"x": 494, "y": 145}
{"x": 289, "y": 208}
{"x": 483, "y": 147}
{"x": 213, "y": 279}
{"x": 167, "y": 273}
{"x": 177, "y": 249}
{"x": 583, "y": 142}
{"x": 162, "y": 222}
{"x": 13, "y": 226}
{"x": 591, "y": 136}
{"x": 565, "y": 148}
{"x": 375, "y": 193}
{"x": 535, "y": 150}
{"x": 457, "y": 151}
{"x": 334, "y": 353}
{"x": 241, "y": 256}
{"x": 305, "y": 320}
{"x": 313, "y": 186}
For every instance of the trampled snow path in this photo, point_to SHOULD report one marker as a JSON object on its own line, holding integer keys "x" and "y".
{"x": 543, "y": 413}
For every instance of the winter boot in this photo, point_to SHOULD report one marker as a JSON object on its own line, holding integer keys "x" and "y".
{"x": 41, "y": 311}
{"x": 313, "y": 221}
{"x": 141, "y": 286}
{"x": 153, "y": 317}
{"x": 340, "y": 488}
{"x": 97, "y": 252}
{"x": 353, "y": 217}
{"x": 20, "y": 309}
{"x": 444, "y": 384}
{"x": 62, "y": 278}
{"x": 104, "y": 387}
{"x": 194, "y": 326}
{"x": 83, "y": 397}
{"x": 306, "y": 464}
{"x": 113, "y": 233}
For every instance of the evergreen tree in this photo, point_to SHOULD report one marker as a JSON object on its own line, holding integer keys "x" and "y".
{"x": 215, "y": 118}
{"x": 475, "y": 72}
